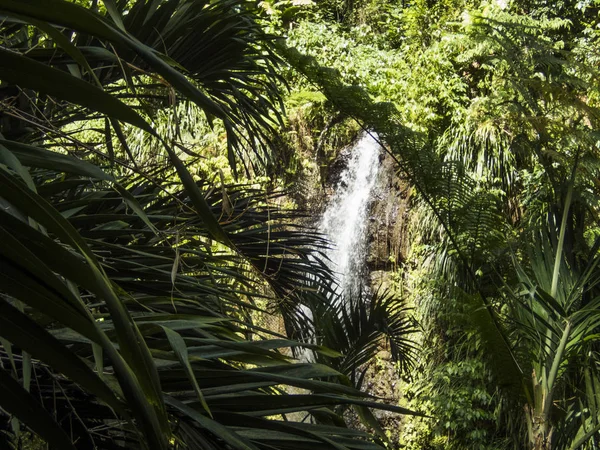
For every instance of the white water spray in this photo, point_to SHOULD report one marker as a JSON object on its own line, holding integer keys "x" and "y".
{"x": 346, "y": 217}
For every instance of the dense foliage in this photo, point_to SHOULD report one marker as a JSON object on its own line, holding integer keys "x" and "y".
{"x": 491, "y": 112}
{"x": 129, "y": 285}
{"x": 141, "y": 238}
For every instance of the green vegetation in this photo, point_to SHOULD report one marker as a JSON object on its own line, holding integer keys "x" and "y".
{"x": 491, "y": 115}
{"x": 145, "y": 149}
{"x": 131, "y": 273}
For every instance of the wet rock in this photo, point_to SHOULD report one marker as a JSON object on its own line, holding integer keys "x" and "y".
{"x": 388, "y": 220}
{"x": 381, "y": 280}
{"x": 384, "y": 355}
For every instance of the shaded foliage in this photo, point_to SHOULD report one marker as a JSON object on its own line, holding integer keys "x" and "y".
{"x": 127, "y": 294}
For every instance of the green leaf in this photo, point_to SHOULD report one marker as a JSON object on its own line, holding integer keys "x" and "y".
{"x": 63, "y": 42}
{"x": 133, "y": 204}
{"x": 212, "y": 426}
{"x": 39, "y": 157}
{"x": 261, "y": 428}
{"x": 204, "y": 211}
{"x": 17, "y": 401}
{"x": 114, "y": 13}
{"x": 178, "y": 345}
{"x": 23, "y": 332}
{"x": 73, "y": 16}
{"x": 8, "y": 159}
{"x": 27, "y": 73}
{"x": 150, "y": 407}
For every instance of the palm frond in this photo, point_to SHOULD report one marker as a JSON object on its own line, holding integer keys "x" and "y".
{"x": 147, "y": 284}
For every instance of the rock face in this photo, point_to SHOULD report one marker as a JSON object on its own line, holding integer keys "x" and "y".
{"x": 388, "y": 215}
{"x": 388, "y": 220}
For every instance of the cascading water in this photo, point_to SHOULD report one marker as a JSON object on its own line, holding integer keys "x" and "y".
{"x": 345, "y": 219}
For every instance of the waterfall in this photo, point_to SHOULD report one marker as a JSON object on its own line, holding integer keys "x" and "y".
{"x": 345, "y": 223}
{"x": 345, "y": 220}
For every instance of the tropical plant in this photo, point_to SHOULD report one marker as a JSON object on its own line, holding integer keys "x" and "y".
{"x": 356, "y": 326}
{"x": 478, "y": 235}
{"x": 126, "y": 299}
{"x": 554, "y": 316}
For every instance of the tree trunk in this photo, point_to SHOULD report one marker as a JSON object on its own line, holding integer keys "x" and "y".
{"x": 540, "y": 431}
